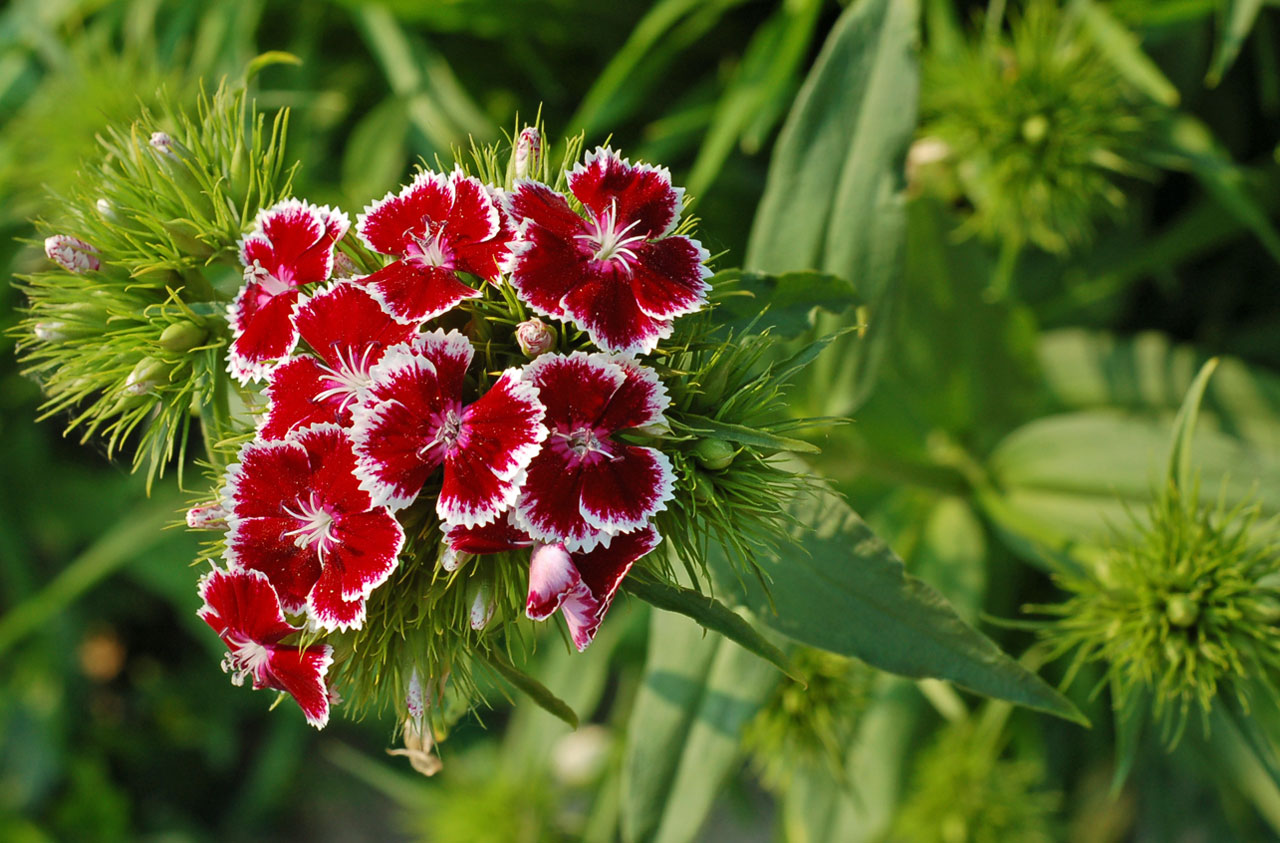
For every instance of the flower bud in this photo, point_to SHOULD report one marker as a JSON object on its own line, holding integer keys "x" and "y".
{"x": 343, "y": 266}
{"x": 51, "y": 331}
{"x": 535, "y": 337}
{"x": 146, "y": 376}
{"x": 164, "y": 143}
{"x": 71, "y": 253}
{"x": 182, "y": 336}
{"x": 714, "y": 454}
{"x": 207, "y": 516}
{"x": 1182, "y": 610}
{"x": 105, "y": 209}
{"x": 527, "y": 157}
{"x": 1035, "y": 128}
{"x": 482, "y": 607}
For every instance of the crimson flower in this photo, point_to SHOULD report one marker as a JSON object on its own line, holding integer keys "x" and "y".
{"x": 413, "y": 420}
{"x": 438, "y": 226}
{"x": 617, "y": 272}
{"x": 297, "y": 513}
{"x": 291, "y": 244}
{"x": 349, "y": 332}
{"x": 585, "y": 487}
{"x": 242, "y": 607}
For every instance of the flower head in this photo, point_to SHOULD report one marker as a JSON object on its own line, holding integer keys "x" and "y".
{"x": 617, "y": 270}
{"x": 242, "y": 607}
{"x": 71, "y": 253}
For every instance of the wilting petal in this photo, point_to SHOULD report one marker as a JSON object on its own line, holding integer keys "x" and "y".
{"x": 621, "y": 494}
{"x": 263, "y": 330}
{"x": 413, "y": 293}
{"x": 668, "y": 278}
{"x": 552, "y": 576}
{"x": 302, "y": 673}
{"x": 639, "y": 194}
{"x": 391, "y": 224}
{"x": 602, "y": 571}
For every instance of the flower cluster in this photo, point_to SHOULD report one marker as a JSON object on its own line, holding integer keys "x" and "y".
{"x": 388, "y": 405}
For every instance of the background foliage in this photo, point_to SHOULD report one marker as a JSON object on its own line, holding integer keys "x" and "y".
{"x": 1041, "y": 276}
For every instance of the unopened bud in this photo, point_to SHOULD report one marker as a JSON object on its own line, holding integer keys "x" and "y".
{"x": 71, "y": 253}
{"x": 535, "y": 337}
{"x": 343, "y": 266}
{"x": 527, "y": 157}
{"x": 207, "y": 516}
{"x": 105, "y": 209}
{"x": 51, "y": 331}
{"x": 146, "y": 376}
{"x": 714, "y": 454}
{"x": 413, "y": 698}
{"x": 182, "y": 336}
{"x": 185, "y": 239}
{"x": 1182, "y": 610}
{"x": 164, "y": 143}
{"x": 1035, "y": 128}
{"x": 482, "y": 608}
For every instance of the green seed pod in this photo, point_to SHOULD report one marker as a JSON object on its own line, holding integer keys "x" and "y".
{"x": 182, "y": 336}
{"x": 714, "y": 454}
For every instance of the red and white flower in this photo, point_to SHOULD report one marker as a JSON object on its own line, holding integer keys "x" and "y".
{"x": 413, "y": 420}
{"x": 298, "y": 514}
{"x": 617, "y": 272}
{"x": 585, "y": 487}
{"x": 349, "y": 331}
{"x": 291, "y": 245}
{"x": 71, "y": 253}
{"x": 437, "y": 226}
{"x": 581, "y": 585}
{"x": 242, "y": 607}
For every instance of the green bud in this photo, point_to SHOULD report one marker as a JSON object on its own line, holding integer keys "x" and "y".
{"x": 704, "y": 488}
{"x": 182, "y": 336}
{"x": 1182, "y": 610}
{"x": 146, "y": 375}
{"x": 180, "y": 231}
{"x": 1035, "y": 129}
{"x": 714, "y": 383}
{"x": 714, "y": 454}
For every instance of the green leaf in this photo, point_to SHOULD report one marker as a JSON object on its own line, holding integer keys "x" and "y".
{"x": 682, "y": 739}
{"x": 748, "y": 436}
{"x": 265, "y": 60}
{"x": 531, "y": 687}
{"x": 1184, "y": 428}
{"x": 1120, "y": 47}
{"x": 1235, "y": 21}
{"x": 1130, "y": 720}
{"x": 1255, "y": 737}
{"x": 710, "y": 614}
{"x": 785, "y": 302}
{"x": 377, "y": 151}
{"x": 833, "y": 197}
{"x": 844, "y": 590}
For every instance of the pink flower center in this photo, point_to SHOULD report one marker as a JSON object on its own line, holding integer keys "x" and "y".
{"x": 348, "y": 377}
{"x": 271, "y": 284}
{"x": 315, "y": 526}
{"x": 609, "y": 240}
{"x": 583, "y": 445}
{"x": 451, "y": 433}
{"x": 246, "y": 657}
{"x": 430, "y": 251}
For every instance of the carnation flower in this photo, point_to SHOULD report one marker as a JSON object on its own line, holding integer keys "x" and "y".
{"x": 618, "y": 272}
{"x": 291, "y": 244}
{"x": 438, "y": 226}
{"x": 298, "y": 515}
{"x": 242, "y": 607}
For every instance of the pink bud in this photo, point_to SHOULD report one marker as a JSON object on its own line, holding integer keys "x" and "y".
{"x": 207, "y": 516}
{"x": 343, "y": 266}
{"x": 71, "y": 253}
{"x": 535, "y": 337}
{"x": 528, "y": 153}
{"x": 162, "y": 142}
{"x": 481, "y": 608}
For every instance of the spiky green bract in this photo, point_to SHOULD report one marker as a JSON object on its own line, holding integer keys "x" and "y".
{"x": 1038, "y": 128}
{"x": 809, "y": 723}
{"x": 185, "y": 206}
{"x": 118, "y": 359}
{"x": 963, "y": 790}
{"x": 1187, "y": 610}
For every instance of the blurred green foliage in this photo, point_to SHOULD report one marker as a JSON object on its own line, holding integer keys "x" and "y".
{"x": 1013, "y": 397}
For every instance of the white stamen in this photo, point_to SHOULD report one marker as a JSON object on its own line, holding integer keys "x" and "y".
{"x": 317, "y": 526}
{"x": 610, "y": 241}
{"x": 350, "y": 377}
{"x": 245, "y": 658}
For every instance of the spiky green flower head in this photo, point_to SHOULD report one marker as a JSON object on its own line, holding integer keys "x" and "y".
{"x": 963, "y": 790}
{"x": 809, "y": 721}
{"x": 1035, "y": 129}
{"x": 1186, "y": 612}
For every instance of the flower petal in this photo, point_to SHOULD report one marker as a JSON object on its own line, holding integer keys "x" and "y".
{"x": 576, "y": 389}
{"x": 552, "y": 576}
{"x": 332, "y": 459}
{"x": 242, "y": 602}
{"x": 605, "y": 307}
{"x": 641, "y": 399}
{"x": 263, "y": 330}
{"x": 473, "y": 217}
{"x": 369, "y": 544}
{"x": 390, "y": 225}
{"x": 621, "y": 494}
{"x": 547, "y": 259}
{"x": 299, "y": 240}
{"x": 264, "y": 474}
{"x": 450, "y": 353}
{"x": 413, "y": 293}
{"x": 549, "y": 507}
{"x": 348, "y": 327}
{"x": 302, "y": 673}
{"x": 294, "y": 399}
{"x": 638, "y": 193}
{"x": 496, "y": 537}
{"x": 262, "y": 544}
{"x": 668, "y": 277}
{"x": 602, "y": 571}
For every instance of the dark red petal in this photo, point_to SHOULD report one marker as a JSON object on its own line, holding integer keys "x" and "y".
{"x": 544, "y": 208}
{"x": 450, "y": 353}
{"x": 413, "y": 293}
{"x": 575, "y": 388}
{"x": 552, "y": 577}
{"x": 261, "y": 544}
{"x": 473, "y": 218}
{"x": 301, "y": 237}
{"x": 668, "y": 278}
{"x": 266, "y": 474}
{"x": 549, "y": 508}
{"x": 242, "y": 602}
{"x": 497, "y": 537}
{"x": 369, "y": 544}
{"x": 470, "y": 493}
{"x": 347, "y": 327}
{"x": 390, "y": 224}
{"x": 292, "y": 400}
{"x": 621, "y": 494}
{"x": 333, "y": 466}
{"x": 486, "y": 257}
{"x": 641, "y": 399}
{"x": 263, "y": 331}
{"x": 301, "y": 673}
{"x": 637, "y": 193}
{"x": 603, "y": 571}
{"x": 605, "y": 307}
{"x": 545, "y": 268}
{"x": 327, "y": 610}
